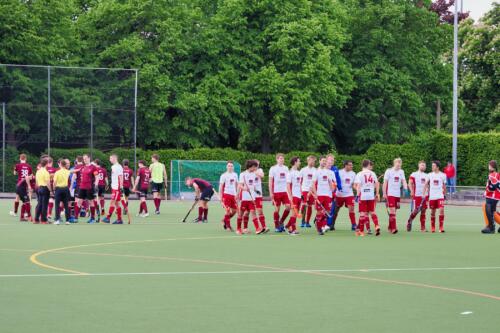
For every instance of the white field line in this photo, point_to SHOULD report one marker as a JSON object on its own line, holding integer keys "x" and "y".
{"x": 367, "y": 270}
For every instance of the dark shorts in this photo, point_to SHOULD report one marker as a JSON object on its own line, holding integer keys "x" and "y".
{"x": 207, "y": 194}
{"x": 101, "y": 190}
{"x": 86, "y": 194}
{"x": 156, "y": 187}
{"x": 126, "y": 192}
{"x": 22, "y": 192}
{"x": 143, "y": 193}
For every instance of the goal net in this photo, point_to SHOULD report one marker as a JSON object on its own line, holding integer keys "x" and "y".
{"x": 208, "y": 170}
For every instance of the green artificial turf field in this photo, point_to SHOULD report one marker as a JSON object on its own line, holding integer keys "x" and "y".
{"x": 159, "y": 275}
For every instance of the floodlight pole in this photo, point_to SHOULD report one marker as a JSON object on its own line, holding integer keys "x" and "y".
{"x": 91, "y": 131}
{"x": 455, "y": 90}
{"x": 135, "y": 119}
{"x": 3, "y": 147}
{"x": 48, "y": 110}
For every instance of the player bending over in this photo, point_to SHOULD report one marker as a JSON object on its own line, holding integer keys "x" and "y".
{"x": 228, "y": 187}
{"x": 418, "y": 181}
{"x": 102, "y": 184}
{"x": 88, "y": 182}
{"x": 141, "y": 187}
{"x": 307, "y": 175}
{"x": 24, "y": 174}
{"x": 204, "y": 192}
{"x": 158, "y": 179}
{"x": 322, "y": 189}
{"x": 436, "y": 185}
{"x": 278, "y": 178}
{"x": 345, "y": 196}
{"x": 394, "y": 178}
{"x": 116, "y": 191}
{"x": 367, "y": 188}
{"x": 294, "y": 192}
{"x": 492, "y": 195}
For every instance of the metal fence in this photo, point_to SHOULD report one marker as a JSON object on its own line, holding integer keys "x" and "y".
{"x": 46, "y": 108}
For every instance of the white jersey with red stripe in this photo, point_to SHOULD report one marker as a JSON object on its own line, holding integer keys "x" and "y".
{"x": 347, "y": 178}
{"x": 436, "y": 182}
{"x": 280, "y": 178}
{"x": 323, "y": 178}
{"x": 493, "y": 186}
{"x": 307, "y": 175}
{"x": 295, "y": 182}
{"x": 367, "y": 181}
{"x": 229, "y": 182}
{"x": 394, "y": 179}
{"x": 247, "y": 180}
{"x": 419, "y": 180}
{"x": 116, "y": 171}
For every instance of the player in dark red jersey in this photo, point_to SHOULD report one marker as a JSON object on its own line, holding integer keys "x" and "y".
{"x": 24, "y": 174}
{"x": 102, "y": 186}
{"x": 492, "y": 195}
{"x": 204, "y": 192}
{"x": 52, "y": 170}
{"x": 88, "y": 181}
{"x": 141, "y": 186}
{"x": 128, "y": 180}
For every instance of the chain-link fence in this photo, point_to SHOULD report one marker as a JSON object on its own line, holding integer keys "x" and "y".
{"x": 49, "y": 108}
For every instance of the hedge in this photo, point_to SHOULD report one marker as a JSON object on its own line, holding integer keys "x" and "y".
{"x": 474, "y": 152}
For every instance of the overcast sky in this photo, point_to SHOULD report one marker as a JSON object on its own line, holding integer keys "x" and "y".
{"x": 477, "y": 8}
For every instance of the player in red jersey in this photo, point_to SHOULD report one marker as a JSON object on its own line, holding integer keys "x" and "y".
{"x": 492, "y": 195}
{"x": 128, "y": 180}
{"x": 141, "y": 186}
{"x": 102, "y": 184}
{"x": 436, "y": 187}
{"x": 88, "y": 182}
{"x": 52, "y": 170}
{"x": 24, "y": 174}
{"x": 278, "y": 180}
{"x": 295, "y": 194}
{"x": 203, "y": 192}
{"x": 228, "y": 188}
{"x": 367, "y": 188}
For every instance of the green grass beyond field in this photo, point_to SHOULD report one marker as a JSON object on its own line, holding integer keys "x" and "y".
{"x": 159, "y": 275}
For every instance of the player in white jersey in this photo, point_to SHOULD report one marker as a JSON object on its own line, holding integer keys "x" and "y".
{"x": 306, "y": 175}
{"x": 345, "y": 196}
{"x": 259, "y": 175}
{"x": 295, "y": 193}
{"x": 367, "y": 187}
{"x": 417, "y": 183}
{"x": 394, "y": 178}
{"x": 228, "y": 187}
{"x": 116, "y": 190}
{"x": 436, "y": 187}
{"x": 246, "y": 193}
{"x": 278, "y": 180}
{"x": 323, "y": 186}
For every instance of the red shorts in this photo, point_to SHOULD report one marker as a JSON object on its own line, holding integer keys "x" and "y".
{"x": 366, "y": 206}
{"x": 258, "y": 202}
{"x": 417, "y": 201}
{"x": 247, "y": 206}
{"x": 296, "y": 202}
{"x": 393, "y": 202}
{"x": 281, "y": 199}
{"x": 436, "y": 204}
{"x": 116, "y": 195}
{"x": 307, "y": 199}
{"x": 229, "y": 201}
{"x": 344, "y": 201}
{"x": 326, "y": 202}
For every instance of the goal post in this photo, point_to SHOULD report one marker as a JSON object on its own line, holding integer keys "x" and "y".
{"x": 208, "y": 170}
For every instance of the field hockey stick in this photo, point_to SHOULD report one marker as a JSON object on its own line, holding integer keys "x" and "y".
{"x": 190, "y": 210}
{"x": 327, "y": 213}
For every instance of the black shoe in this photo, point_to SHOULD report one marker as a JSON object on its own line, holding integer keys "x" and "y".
{"x": 488, "y": 230}
{"x": 498, "y": 230}
{"x": 321, "y": 233}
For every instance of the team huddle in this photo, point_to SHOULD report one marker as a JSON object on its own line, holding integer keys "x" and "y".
{"x": 78, "y": 191}
{"x": 326, "y": 189}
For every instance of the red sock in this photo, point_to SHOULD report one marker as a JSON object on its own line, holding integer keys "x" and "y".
{"x": 159, "y": 202}
{"x": 441, "y": 222}
{"x": 119, "y": 213}
{"x": 262, "y": 220}
{"x": 92, "y": 212}
{"x": 433, "y": 221}
{"x": 102, "y": 204}
{"x": 227, "y": 220}
{"x": 23, "y": 208}
{"x": 320, "y": 221}
{"x": 77, "y": 210}
{"x": 200, "y": 213}
{"x": 255, "y": 223}
{"x": 367, "y": 223}
{"x": 352, "y": 217}
{"x": 49, "y": 209}
{"x": 291, "y": 224}
{"x": 245, "y": 222}
{"x": 124, "y": 204}
{"x": 16, "y": 206}
{"x": 362, "y": 222}
{"x": 205, "y": 214}
{"x": 238, "y": 223}
{"x": 392, "y": 222}
{"x": 422, "y": 219}
{"x": 28, "y": 209}
{"x": 284, "y": 216}
{"x": 309, "y": 213}
{"x": 276, "y": 216}
{"x": 375, "y": 220}
{"x": 111, "y": 210}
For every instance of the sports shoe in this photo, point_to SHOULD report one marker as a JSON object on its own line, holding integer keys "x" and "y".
{"x": 303, "y": 224}
{"x": 145, "y": 214}
{"x": 259, "y": 231}
{"x": 499, "y": 230}
{"x": 57, "y": 222}
{"x": 369, "y": 232}
{"x": 325, "y": 229}
{"x": 293, "y": 233}
{"x": 321, "y": 233}
{"x": 377, "y": 231}
{"x": 157, "y": 212}
{"x": 408, "y": 226}
{"x": 118, "y": 222}
{"x": 11, "y": 213}
{"x": 441, "y": 230}
{"x": 238, "y": 232}
{"x": 245, "y": 231}
{"x": 91, "y": 221}
{"x": 331, "y": 228}
{"x": 22, "y": 219}
{"x": 204, "y": 221}
{"x": 395, "y": 231}
{"x": 106, "y": 220}
{"x": 67, "y": 223}
{"x": 277, "y": 230}
{"x": 353, "y": 227}
{"x": 197, "y": 220}
{"x": 308, "y": 225}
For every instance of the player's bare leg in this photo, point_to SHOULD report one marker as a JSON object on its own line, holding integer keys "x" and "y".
{"x": 441, "y": 219}
{"x": 393, "y": 228}
{"x": 433, "y": 220}
{"x": 246, "y": 217}
{"x": 291, "y": 226}
{"x": 16, "y": 207}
